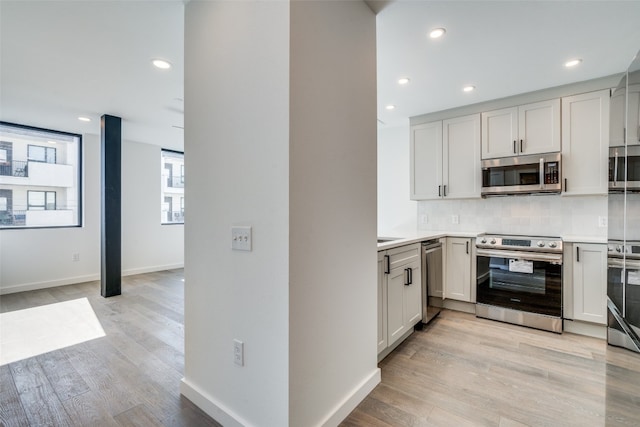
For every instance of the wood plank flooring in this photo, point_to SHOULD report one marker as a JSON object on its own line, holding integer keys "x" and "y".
{"x": 459, "y": 371}
{"x": 130, "y": 377}
{"x": 465, "y": 371}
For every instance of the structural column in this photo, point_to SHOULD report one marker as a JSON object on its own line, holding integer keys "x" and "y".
{"x": 110, "y": 211}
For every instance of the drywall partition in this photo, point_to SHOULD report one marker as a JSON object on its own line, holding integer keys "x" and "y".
{"x": 332, "y": 208}
{"x": 237, "y": 172}
{"x": 41, "y": 258}
{"x": 280, "y": 134}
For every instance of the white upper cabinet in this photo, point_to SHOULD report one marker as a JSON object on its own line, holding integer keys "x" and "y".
{"x": 461, "y": 157}
{"x": 426, "y": 161}
{"x": 585, "y": 145}
{"x": 526, "y": 129}
{"x": 616, "y": 125}
{"x": 633, "y": 117}
{"x": 445, "y": 159}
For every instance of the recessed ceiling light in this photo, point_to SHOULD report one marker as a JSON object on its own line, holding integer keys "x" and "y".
{"x": 84, "y": 119}
{"x": 469, "y": 88}
{"x": 572, "y": 63}
{"x": 390, "y": 107}
{"x": 437, "y": 33}
{"x": 161, "y": 63}
{"x": 403, "y": 81}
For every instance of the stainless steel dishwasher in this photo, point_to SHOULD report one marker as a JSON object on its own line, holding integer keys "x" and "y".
{"x": 431, "y": 279}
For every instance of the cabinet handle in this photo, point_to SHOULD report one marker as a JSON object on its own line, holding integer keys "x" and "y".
{"x": 577, "y": 253}
{"x": 514, "y": 147}
{"x": 439, "y": 193}
{"x": 521, "y": 145}
{"x": 445, "y": 190}
{"x": 406, "y": 277}
{"x": 467, "y": 248}
{"x": 411, "y": 276}
{"x": 387, "y": 264}
{"x": 565, "y": 185}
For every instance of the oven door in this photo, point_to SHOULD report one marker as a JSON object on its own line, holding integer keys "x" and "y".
{"x": 525, "y": 281}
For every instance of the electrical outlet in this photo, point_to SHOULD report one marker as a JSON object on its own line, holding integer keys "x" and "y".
{"x": 75, "y": 257}
{"x": 238, "y": 352}
{"x": 424, "y": 219}
{"x": 602, "y": 221}
{"x": 455, "y": 219}
{"x": 241, "y": 238}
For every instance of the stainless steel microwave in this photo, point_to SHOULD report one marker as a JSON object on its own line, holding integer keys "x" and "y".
{"x": 624, "y": 170}
{"x": 522, "y": 175}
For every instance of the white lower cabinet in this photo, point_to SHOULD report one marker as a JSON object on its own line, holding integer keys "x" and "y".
{"x": 458, "y": 269}
{"x": 399, "y": 293}
{"x": 585, "y": 284}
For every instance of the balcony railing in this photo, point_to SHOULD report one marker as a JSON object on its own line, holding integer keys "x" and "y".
{"x": 14, "y": 168}
{"x": 13, "y": 218}
{"x": 175, "y": 181}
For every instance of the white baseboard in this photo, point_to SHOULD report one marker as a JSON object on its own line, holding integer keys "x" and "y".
{"x": 142, "y": 270}
{"x": 48, "y": 284}
{"x": 210, "y": 406}
{"x": 227, "y": 418}
{"x": 81, "y": 279}
{"x": 353, "y": 399}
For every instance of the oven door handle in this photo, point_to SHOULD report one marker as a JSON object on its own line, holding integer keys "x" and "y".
{"x": 629, "y": 264}
{"x": 526, "y": 256}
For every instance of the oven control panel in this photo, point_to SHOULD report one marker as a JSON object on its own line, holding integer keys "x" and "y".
{"x": 528, "y": 243}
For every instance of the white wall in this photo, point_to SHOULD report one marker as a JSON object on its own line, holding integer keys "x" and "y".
{"x": 333, "y": 252}
{"x": 40, "y": 258}
{"x": 280, "y": 134}
{"x": 396, "y": 213}
{"x": 237, "y": 173}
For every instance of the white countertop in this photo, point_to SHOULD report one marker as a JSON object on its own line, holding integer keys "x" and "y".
{"x": 409, "y": 238}
{"x": 417, "y": 237}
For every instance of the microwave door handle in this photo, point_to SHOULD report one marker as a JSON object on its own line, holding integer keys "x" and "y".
{"x": 615, "y": 170}
{"x": 541, "y": 173}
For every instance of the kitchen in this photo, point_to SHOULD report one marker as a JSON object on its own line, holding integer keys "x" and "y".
{"x": 551, "y": 221}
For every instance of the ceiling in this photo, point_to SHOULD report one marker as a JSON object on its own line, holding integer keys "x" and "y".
{"x": 64, "y": 59}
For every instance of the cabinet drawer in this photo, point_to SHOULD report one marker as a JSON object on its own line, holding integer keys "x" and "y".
{"x": 403, "y": 255}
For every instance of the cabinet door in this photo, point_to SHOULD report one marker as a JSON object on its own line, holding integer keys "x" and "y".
{"x": 633, "y": 116}
{"x": 461, "y": 157}
{"x": 585, "y": 148}
{"x": 539, "y": 127}
{"x": 426, "y": 161}
{"x": 413, "y": 296}
{"x": 499, "y": 133}
{"x": 396, "y": 325}
{"x": 457, "y": 283}
{"x": 382, "y": 302}
{"x": 617, "y": 117}
{"x": 590, "y": 283}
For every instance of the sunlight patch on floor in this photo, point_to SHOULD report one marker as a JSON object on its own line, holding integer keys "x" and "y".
{"x": 33, "y": 331}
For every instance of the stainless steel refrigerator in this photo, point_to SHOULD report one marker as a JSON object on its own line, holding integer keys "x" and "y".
{"x": 623, "y": 273}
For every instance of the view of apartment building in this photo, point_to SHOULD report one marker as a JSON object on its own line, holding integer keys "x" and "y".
{"x": 39, "y": 177}
{"x": 172, "y": 187}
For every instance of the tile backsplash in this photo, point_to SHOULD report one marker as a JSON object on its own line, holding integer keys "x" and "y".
{"x": 537, "y": 215}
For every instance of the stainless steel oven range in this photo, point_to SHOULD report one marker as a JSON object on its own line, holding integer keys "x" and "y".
{"x": 623, "y": 294}
{"x": 519, "y": 280}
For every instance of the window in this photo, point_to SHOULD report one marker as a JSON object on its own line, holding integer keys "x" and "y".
{"x": 40, "y": 177}
{"x": 38, "y": 153}
{"x": 172, "y": 184}
{"x": 41, "y": 200}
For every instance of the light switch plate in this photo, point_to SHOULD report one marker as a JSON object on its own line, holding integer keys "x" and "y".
{"x": 241, "y": 238}
{"x": 455, "y": 219}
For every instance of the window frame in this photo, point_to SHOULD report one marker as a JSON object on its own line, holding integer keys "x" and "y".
{"x": 46, "y": 155}
{"x": 45, "y": 206}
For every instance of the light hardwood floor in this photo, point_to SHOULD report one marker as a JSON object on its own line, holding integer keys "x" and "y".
{"x": 459, "y": 371}
{"x": 130, "y": 377}
{"x": 465, "y": 371}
